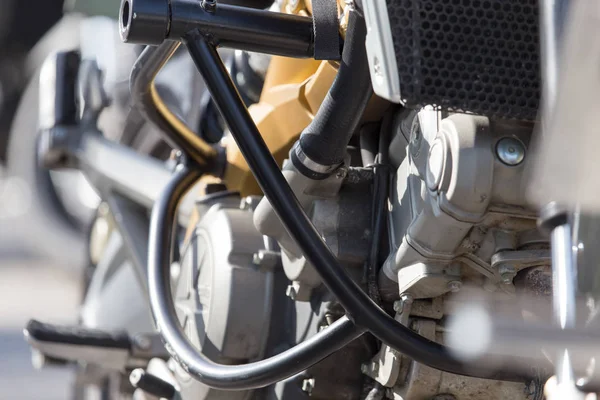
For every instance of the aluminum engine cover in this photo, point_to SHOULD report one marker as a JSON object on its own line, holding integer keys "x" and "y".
{"x": 222, "y": 299}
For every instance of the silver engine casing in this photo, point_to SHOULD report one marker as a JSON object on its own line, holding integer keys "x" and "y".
{"x": 224, "y": 293}
{"x": 458, "y": 218}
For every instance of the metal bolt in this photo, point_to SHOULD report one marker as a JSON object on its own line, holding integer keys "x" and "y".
{"x": 246, "y": 203}
{"x": 364, "y": 368}
{"x": 341, "y": 173}
{"x": 507, "y": 273}
{"x": 507, "y": 278}
{"x": 454, "y": 286}
{"x": 406, "y": 298}
{"x": 308, "y": 385}
{"x": 209, "y": 5}
{"x": 370, "y": 368}
{"x": 377, "y": 68}
{"x": 374, "y": 368}
{"x": 290, "y": 292}
{"x": 510, "y": 151}
{"x": 175, "y": 155}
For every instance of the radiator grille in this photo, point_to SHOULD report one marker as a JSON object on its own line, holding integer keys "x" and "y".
{"x": 476, "y": 56}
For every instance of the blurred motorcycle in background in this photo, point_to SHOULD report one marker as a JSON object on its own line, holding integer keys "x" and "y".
{"x": 51, "y": 211}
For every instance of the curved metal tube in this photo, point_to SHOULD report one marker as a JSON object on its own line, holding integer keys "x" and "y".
{"x": 233, "y": 377}
{"x": 148, "y": 101}
{"x": 359, "y": 307}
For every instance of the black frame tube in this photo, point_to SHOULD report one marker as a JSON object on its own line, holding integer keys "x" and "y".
{"x": 359, "y": 307}
{"x": 230, "y": 377}
{"x": 224, "y": 25}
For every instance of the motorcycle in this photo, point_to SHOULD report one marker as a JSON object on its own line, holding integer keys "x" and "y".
{"x": 349, "y": 219}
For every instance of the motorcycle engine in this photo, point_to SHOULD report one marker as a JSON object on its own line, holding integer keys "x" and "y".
{"x": 458, "y": 219}
{"x": 235, "y": 303}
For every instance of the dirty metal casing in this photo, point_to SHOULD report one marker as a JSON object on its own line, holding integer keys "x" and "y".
{"x": 223, "y": 296}
{"x": 456, "y": 205}
{"x": 418, "y": 381}
{"x": 339, "y": 207}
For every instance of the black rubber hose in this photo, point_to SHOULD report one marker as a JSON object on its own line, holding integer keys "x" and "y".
{"x": 359, "y": 307}
{"x": 231, "y": 377}
{"x": 381, "y": 171}
{"x": 325, "y": 139}
{"x": 368, "y": 144}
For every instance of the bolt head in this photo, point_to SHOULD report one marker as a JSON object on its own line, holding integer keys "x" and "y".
{"x": 455, "y": 286}
{"x": 246, "y": 203}
{"x": 290, "y": 292}
{"x": 507, "y": 273}
{"x": 510, "y": 151}
{"x": 406, "y": 298}
{"x": 398, "y": 305}
{"x": 507, "y": 278}
{"x": 341, "y": 173}
{"x": 176, "y": 155}
{"x": 209, "y": 5}
{"x": 374, "y": 368}
{"x": 308, "y": 385}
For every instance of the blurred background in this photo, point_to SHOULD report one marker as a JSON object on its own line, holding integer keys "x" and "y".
{"x": 42, "y": 246}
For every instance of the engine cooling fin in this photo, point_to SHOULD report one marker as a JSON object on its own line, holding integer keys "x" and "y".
{"x": 473, "y": 56}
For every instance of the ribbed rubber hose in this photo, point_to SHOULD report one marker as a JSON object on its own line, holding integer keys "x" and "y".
{"x": 326, "y": 138}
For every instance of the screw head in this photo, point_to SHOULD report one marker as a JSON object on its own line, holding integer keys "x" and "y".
{"x": 374, "y": 368}
{"x": 290, "y": 292}
{"x": 510, "y": 151}
{"x": 209, "y": 5}
{"x": 308, "y": 385}
{"x": 507, "y": 278}
{"x": 364, "y": 368}
{"x": 454, "y": 286}
{"x": 507, "y": 273}
{"x": 341, "y": 173}
{"x": 398, "y": 305}
{"x": 406, "y": 298}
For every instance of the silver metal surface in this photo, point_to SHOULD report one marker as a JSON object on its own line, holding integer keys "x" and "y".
{"x": 510, "y": 151}
{"x": 553, "y": 14}
{"x": 311, "y": 164}
{"x": 564, "y": 288}
{"x": 380, "y": 50}
{"x": 222, "y": 299}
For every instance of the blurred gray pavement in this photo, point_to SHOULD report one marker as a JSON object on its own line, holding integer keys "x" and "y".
{"x": 30, "y": 288}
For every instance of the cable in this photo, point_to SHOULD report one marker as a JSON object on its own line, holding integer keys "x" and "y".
{"x": 232, "y": 377}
